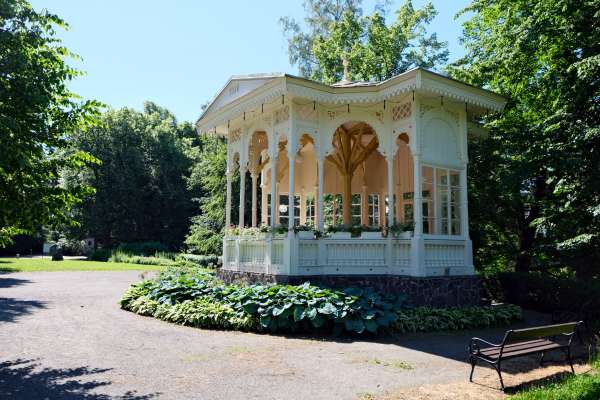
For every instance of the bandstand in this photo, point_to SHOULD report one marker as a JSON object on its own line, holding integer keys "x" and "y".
{"x": 387, "y": 158}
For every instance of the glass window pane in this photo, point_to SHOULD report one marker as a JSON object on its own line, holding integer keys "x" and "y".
{"x": 374, "y": 210}
{"x": 427, "y": 174}
{"x": 356, "y": 209}
{"x": 454, "y": 178}
{"x": 455, "y": 227}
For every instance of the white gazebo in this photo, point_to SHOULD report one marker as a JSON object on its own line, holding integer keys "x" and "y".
{"x": 349, "y": 154}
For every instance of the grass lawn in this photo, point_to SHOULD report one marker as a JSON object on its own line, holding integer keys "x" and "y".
{"x": 46, "y": 264}
{"x": 579, "y": 387}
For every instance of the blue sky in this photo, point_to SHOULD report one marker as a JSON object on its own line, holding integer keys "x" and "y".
{"x": 180, "y": 53}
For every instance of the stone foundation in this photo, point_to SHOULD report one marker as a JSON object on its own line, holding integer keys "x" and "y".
{"x": 444, "y": 291}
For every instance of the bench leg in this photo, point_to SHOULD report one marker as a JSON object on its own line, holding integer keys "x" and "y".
{"x": 473, "y": 361}
{"x": 542, "y": 359}
{"x": 570, "y": 360}
{"x": 500, "y": 375}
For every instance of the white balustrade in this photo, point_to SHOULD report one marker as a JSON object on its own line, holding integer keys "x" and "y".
{"x": 444, "y": 257}
{"x": 342, "y": 256}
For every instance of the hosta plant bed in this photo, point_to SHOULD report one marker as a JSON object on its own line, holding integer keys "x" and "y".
{"x": 194, "y": 297}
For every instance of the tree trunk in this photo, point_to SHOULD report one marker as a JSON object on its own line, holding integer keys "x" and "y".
{"x": 347, "y": 199}
{"x": 527, "y": 236}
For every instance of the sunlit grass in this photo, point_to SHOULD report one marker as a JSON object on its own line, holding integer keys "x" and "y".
{"x": 46, "y": 264}
{"x": 578, "y": 387}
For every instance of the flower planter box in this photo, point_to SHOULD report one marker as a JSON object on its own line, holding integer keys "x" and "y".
{"x": 305, "y": 235}
{"x": 370, "y": 235}
{"x": 405, "y": 235}
{"x": 341, "y": 235}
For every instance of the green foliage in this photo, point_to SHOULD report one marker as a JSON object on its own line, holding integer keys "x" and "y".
{"x": 141, "y": 192}
{"x": 119, "y": 256}
{"x": 38, "y": 114}
{"x": 195, "y": 297}
{"x": 535, "y": 198}
{"x": 320, "y": 14}
{"x": 428, "y": 319}
{"x": 272, "y": 307}
{"x": 211, "y": 260}
{"x": 574, "y": 387}
{"x": 143, "y": 248}
{"x": 568, "y": 298}
{"x": 209, "y": 175}
{"x": 375, "y": 51}
{"x": 100, "y": 255}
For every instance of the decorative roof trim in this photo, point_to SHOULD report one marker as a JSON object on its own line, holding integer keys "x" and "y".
{"x": 416, "y": 79}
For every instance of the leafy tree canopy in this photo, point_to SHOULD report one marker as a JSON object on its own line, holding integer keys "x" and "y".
{"x": 141, "y": 192}
{"x": 373, "y": 50}
{"x": 542, "y": 156}
{"x": 38, "y": 114}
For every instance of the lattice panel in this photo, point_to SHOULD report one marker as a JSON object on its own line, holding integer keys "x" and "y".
{"x": 401, "y": 111}
{"x": 307, "y": 112}
{"x": 282, "y": 115}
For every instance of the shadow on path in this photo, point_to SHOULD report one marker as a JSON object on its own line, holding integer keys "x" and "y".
{"x": 10, "y": 282}
{"x": 12, "y": 309}
{"x": 23, "y": 379}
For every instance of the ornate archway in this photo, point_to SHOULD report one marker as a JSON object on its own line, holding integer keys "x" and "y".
{"x": 353, "y": 143}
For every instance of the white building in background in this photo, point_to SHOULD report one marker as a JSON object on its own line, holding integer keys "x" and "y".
{"x": 349, "y": 154}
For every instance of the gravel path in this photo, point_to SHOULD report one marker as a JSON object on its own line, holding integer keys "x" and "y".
{"x": 63, "y": 336}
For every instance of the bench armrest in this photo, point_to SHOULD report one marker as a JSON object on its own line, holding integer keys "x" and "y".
{"x": 474, "y": 345}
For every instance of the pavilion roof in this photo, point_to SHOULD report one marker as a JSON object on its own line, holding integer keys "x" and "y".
{"x": 246, "y": 93}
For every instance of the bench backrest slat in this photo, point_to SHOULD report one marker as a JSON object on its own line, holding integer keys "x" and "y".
{"x": 519, "y": 335}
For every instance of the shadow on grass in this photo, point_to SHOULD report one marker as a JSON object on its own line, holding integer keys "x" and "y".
{"x": 24, "y": 379}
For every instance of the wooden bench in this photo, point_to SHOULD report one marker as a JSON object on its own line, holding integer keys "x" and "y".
{"x": 523, "y": 342}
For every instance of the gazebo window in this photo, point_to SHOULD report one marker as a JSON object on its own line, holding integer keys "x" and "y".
{"x": 332, "y": 204}
{"x": 374, "y": 210}
{"x": 356, "y": 209}
{"x": 441, "y": 202}
{"x": 284, "y": 209}
{"x": 310, "y": 210}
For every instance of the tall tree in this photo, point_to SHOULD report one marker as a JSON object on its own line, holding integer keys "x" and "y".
{"x": 320, "y": 14}
{"x": 374, "y": 51}
{"x": 37, "y": 116}
{"x": 141, "y": 192}
{"x": 545, "y": 57}
{"x": 337, "y": 30}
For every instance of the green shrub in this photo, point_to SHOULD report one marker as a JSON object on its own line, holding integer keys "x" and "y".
{"x": 201, "y": 260}
{"x": 119, "y": 256}
{"x": 193, "y": 296}
{"x": 100, "y": 255}
{"x": 266, "y": 307}
{"x": 428, "y": 319}
{"x": 143, "y": 248}
{"x": 566, "y": 298}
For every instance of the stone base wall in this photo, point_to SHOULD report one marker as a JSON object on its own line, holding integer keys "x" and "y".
{"x": 444, "y": 291}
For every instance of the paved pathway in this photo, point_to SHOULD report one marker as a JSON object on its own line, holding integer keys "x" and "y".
{"x": 63, "y": 336}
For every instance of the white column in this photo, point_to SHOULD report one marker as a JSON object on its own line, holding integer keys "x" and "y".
{"x": 418, "y": 196}
{"x": 242, "y": 195}
{"x": 390, "y": 185}
{"x": 291, "y": 188}
{"x": 254, "y": 198}
{"x": 274, "y": 197}
{"x": 464, "y": 204}
{"x": 464, "y": 221}
{"x": 320, "y": 194}
{"x": 263, "y": 203}
{"x": 228, "y": 201}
